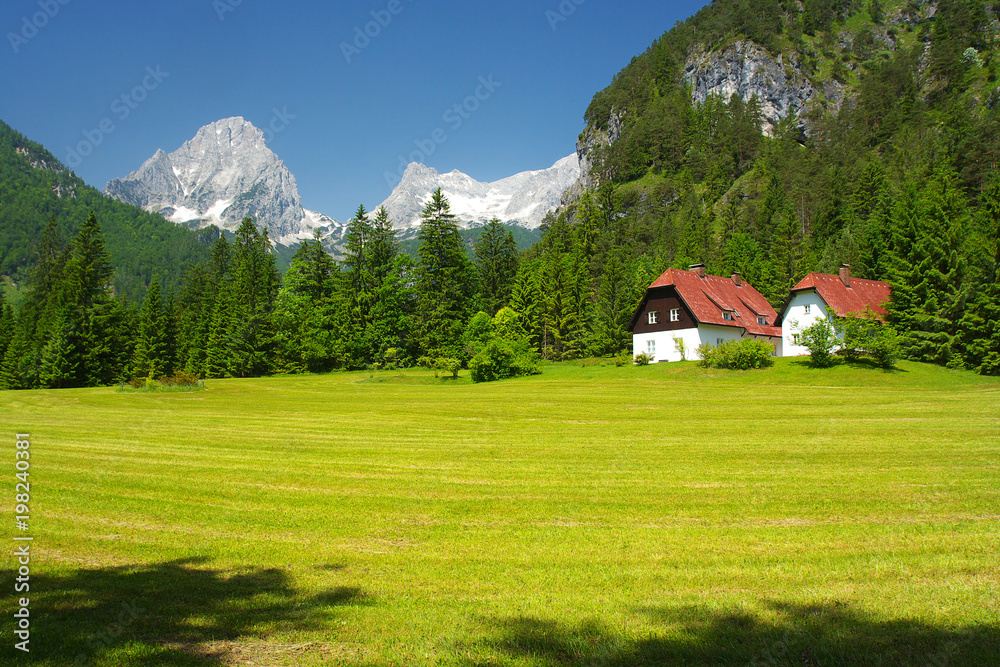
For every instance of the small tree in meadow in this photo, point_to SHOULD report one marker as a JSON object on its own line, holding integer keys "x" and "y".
{"x": 820, "y": 337}
{"x": 867, "y": 336}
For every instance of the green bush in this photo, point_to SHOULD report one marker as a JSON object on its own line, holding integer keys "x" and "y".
{"x": 740, "y": 355}
{"x": 499, "y": 348}
{"x": 623, "y": 358}
{"x": 449, "y": 365}
{"x": 500, "y": 359}
{"x": 643, "y": 359}
{"x": 820, "y": 337}
{"x": 868, "y": 337}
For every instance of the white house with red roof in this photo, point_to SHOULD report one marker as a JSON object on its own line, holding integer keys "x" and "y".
{"x": 843, "y": 294}
{"x": 684, "y": 309}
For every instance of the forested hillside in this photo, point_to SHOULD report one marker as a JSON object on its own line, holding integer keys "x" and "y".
{"x": 35, "y": 186}
{"x": 890, "y": 166}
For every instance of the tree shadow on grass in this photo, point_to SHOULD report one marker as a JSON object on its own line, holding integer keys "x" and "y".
{"x": 803, "y": 635}
{"x": 173, "y": 613}
{"x": 861, "y": 363}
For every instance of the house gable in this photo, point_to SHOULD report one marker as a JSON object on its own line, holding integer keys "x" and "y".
{"x": 843, "y": 294}
{"x": 662, "y": 300}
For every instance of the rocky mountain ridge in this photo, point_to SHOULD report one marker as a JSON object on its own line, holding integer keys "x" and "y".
{"x": 222, "y": 175}
{"x": 522, "y": 199}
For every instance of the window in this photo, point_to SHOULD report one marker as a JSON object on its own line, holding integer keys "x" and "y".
{"x": 727, "y": 315}
{"x": 761, "y": 320}
{"x": 651, "y": 347}
{"x": 795, "y": 339}
{"x": 675, "y": 315}
{"x": 653, "y": 316}
{"x": 808, "y": 308}
{"x": 719, "y": 342}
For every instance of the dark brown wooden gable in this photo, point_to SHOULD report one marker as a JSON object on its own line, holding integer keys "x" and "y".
{"x": 662, "y": 300}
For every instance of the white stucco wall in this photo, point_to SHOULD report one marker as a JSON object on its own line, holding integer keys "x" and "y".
{"x": 666, "y": 347}
{"x": 796, "y": 319}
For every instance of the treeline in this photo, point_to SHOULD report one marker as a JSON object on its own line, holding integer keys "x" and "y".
{"x": 234, "y": 316}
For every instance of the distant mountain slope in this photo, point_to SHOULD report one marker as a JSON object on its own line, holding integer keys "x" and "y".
{"x": 34, "y": 185}
{"x": 222, "y": 175}
{"x": 522, "y": 199}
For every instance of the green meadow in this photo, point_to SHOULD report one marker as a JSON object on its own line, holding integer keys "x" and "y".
{"x": 591, "y": 515}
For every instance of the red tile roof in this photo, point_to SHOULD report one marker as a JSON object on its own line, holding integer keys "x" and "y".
{"x": 708, "y": 297}
{"x": 846, "y": 300}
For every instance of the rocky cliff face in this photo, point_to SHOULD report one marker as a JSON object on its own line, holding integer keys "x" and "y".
{"x": 743, "y": 69}
{"x": 521, "y": 199}
{"x": 747, "y": 70}
{"x": 590, "y": 141}
{"x": 222, "y": 175}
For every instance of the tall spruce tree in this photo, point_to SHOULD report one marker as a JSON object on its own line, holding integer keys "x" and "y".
{"x": 89, "y": 318}
{"x": 153, "y": 345}
{"x": 384, "y": 247}
{"x": 526, "y": 300}
{"x": 357, "y": 252}
{"x": 496, "y": 262}
{"x": 445, "y": 280}
{"x": 927, "y": 273}
{"x": 254, "y": 288}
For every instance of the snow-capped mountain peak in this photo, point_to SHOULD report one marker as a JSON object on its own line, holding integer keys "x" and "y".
{"x": 521, "y": 199}
{"x": 222, "y": 175}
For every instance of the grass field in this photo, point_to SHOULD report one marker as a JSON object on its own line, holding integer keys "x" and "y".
{"x": 591, "y": 515}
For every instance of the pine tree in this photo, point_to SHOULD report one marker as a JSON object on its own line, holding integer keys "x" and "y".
{"x": 358, "y": 252}
{"x": 219, "y": 348}
{"x": 611, "y": 319}
{"x": 526, "y": 300}
{"x": 60, "y": 358}
{"x": 392, "y": 316}
{"x": 152, "y": 350}
{"x": 566, "y": 300}
{"x": 312, "y": 271}
{"x": 496, "y": 261}
{"x": 254, "y": 289}
{"x": 87, "y": 286}
{"x": 445, "y": 280}
{"x": 384, "y": 247}
{"x": 927, "y": 273}
{"x": 307, "y": 332}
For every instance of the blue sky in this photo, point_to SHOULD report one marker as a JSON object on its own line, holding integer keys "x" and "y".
{"x": 125, "y": 78}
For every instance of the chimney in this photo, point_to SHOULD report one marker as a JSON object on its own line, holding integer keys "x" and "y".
{"x": 845, "y": 274}
{"x": 737, "y": 280}
{"x": 699, "y": 269}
